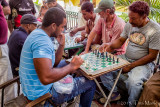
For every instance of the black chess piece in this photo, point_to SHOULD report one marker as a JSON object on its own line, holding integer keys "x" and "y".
{"x": 117, "y": 60}
{"x": 109, "y": 60}
{"x": 102, "y": 54}
{"x": 106, "y": 55}
{"x": 95, "y": 52}
{"x": 97, "y": 55}
{"x": 113, "y": 60}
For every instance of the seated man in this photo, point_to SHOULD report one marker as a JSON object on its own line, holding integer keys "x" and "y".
{"x": 110, "y": 26}
{"x": 81, "y": 21}
{"x": 38, "y": 63}
{"x": 17, "y": 38}
{"x": 150, "y": 96}
{"x": 6, "y": 8}
{"x": 90, "y": 17}
{"x": 141, "y": 51}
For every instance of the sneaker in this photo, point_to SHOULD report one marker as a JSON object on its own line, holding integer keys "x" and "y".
{"x": 114, "y": 97}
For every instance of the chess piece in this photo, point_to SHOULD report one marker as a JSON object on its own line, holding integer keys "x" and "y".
{"x": 117, "y": 60}
{"x": 95, "y": 52}
{"x": 113, "y": 60}
{"x": 109, "y": 59}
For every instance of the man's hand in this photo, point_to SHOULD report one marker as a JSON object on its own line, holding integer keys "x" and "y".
{"x": 83, "y": 33}
{"x": 78, "y": 39}
{"x": 84, "y": 52}
{"x": 73, "y": 32}
{"x": 61, "y": 39}
{"x": 76, "y": 62}
{"x": 105, "y": 47}
{"x": 127, "y": 69}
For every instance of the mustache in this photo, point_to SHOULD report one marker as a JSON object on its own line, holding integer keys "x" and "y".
{"x": 132, "y": 24}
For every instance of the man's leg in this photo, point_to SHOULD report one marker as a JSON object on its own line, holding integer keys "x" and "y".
{"x": 136, "y": 78}
{"x": 6, "y": 73}
{"x": 62, "y": 63}
{"x": 82, "y": 86}
{"x": 108, "y": 80}
{"x": 150, "y": 96}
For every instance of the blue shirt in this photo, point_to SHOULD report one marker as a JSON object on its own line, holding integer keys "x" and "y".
{"x": 16, "y": 42}
{"x": 37, "y": 45}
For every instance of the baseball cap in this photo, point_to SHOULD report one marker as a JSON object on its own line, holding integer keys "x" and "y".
{"x": 29, "y": 19}
{"x": 47, "y": 1}
{"x": 103, "y": 5}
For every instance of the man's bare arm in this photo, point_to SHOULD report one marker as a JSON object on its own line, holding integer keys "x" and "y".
{"x": 109, "y": 47}
{"x": 59, "y": 52}
{"x": 146, "y": 59}
{"x": 90, "y": 39}
{"x": 74, "y": 31}
{"x": 116, "y": 44}
{"x": 47, "y": 74}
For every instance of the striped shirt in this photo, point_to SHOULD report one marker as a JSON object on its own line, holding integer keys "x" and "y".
{"x": 37, "y": 45}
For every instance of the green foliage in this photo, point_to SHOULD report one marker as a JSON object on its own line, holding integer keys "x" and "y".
{"x": 124, "y": 16}
{"x": 154, "y": 8}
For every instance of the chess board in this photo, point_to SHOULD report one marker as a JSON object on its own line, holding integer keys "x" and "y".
{"x": 96, "y": 64}
{"x": 69, "y": 43}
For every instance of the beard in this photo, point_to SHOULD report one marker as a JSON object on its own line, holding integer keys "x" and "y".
{"x": 54, "y": 34}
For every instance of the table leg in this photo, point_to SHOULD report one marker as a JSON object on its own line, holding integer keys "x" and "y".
{"x": 79, "y": 50}
{"x": 100, "y": 88}
{"x": 113, "y": 87}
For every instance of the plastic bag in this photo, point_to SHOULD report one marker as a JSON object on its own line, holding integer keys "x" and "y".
{"x": 65, "y": 85}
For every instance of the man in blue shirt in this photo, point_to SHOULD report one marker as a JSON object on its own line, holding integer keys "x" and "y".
{"x": 17, "y": 38}
{"x": 38, "y": 63}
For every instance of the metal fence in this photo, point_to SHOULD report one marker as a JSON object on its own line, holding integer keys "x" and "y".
{"x": 72, "y": 20}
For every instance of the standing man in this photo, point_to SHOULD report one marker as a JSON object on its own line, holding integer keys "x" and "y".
{"x": 109, "y": 26}
{"x": 38, "y": 63}
{"x": 17, "y": 38}
{"x": 18, "y": 9}
{"x": 142, "y": 50}
{"x": 5, "y": 69}
{"x": 6, "y": 8}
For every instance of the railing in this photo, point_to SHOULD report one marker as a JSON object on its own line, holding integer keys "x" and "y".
{"x": 72, "y": 20}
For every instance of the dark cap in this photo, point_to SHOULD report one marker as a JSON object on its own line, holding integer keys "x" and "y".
{"x": 29, "y": 19}
{"x": 50, "y": 1}
{"x": 103, "y": 5}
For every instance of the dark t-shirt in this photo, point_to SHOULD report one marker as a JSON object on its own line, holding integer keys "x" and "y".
{"x": 3, "y": 27}
{"x": 15, "y": 45}
{"x": 22, "y": 7}
{"x": 3, "y": 3}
